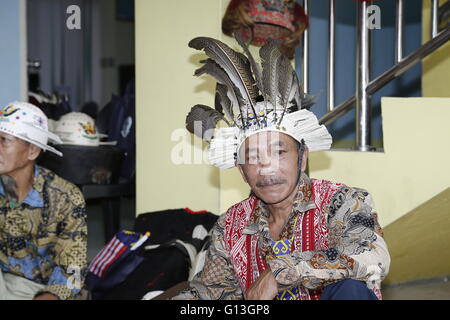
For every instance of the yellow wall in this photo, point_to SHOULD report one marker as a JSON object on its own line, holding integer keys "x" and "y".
{"x": 413, "y": 167}
{"x": 418, "y": 242}
{"x": 166, "y": 90}
{"x": 409, "y": 171}
{"x": 436, "y": 67}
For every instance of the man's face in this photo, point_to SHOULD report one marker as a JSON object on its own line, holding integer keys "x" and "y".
{"x": 14, "y": 153}
{"x": 269, "y": 164}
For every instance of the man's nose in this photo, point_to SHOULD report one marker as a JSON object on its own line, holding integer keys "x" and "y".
{"x": 268, "y": 165}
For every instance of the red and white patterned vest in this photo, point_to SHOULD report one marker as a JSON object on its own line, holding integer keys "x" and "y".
{"x": 310, "y": 234}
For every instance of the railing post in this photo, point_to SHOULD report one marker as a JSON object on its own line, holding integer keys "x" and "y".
{"x": 305, "y": 66}
{"x": 363, "y": 108}
{"x": 394, "y": 72}
{"x": 331, "y": 54}
{"x": 434, "y": 18}
{"x": 399, "y": 31}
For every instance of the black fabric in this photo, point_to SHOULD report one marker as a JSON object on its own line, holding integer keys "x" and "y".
{"x": 174, "y": 224}
{"x": 55, "y": 111}
{"x": 169, "y": 264}
{"x": 122, "y": 128}
{"x": 103, "y": 118}
{"x": 91, "y": 109}
{"x": 161, "y": 269}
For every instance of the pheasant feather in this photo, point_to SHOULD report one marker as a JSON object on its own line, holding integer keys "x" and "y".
{"x": 223, "y": 102}
{"x": 234, "y": 95}
{"x": 202, "y": 120}
{"x": 235, "y": 65}
{"x": 270, "y": 56}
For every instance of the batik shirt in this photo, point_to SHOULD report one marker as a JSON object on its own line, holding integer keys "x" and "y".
{"x": 337, "y": 236}
{"x": 44, "y": 238}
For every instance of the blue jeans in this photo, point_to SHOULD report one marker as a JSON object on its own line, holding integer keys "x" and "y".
{"x": 347, "y": 289}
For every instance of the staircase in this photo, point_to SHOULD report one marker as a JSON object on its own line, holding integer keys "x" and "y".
{"x": 409, "y": 178}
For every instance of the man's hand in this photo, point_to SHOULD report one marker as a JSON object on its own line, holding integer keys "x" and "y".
{"x": 264, "y": 288}
{"x": 46, "y": 296}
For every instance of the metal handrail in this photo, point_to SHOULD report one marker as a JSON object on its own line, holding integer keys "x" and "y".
{"x": 396, "y": 71}
{"x": 364, "y": 86}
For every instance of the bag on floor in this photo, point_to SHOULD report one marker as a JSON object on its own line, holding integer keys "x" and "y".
{"x": 170, "y": 254}
{"x": 114, "y": 263}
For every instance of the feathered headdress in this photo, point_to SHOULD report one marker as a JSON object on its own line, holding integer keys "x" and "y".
{"x": 252, "y": 98}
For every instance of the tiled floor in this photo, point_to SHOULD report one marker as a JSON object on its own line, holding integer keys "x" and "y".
{"x": 436, "y": 289}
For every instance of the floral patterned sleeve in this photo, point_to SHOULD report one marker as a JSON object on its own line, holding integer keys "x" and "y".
{"x": 217, "y": 280}
{"x": 356, "y": 247}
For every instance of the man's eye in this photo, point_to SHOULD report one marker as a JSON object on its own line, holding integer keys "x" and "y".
{"x": 6, "y": 140}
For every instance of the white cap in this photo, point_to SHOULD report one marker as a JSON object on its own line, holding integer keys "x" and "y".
{"x": 77, "y": 128}
{"x": 27, "y": 122}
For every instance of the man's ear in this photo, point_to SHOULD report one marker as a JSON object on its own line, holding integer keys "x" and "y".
{"x": 33, "y": 152}
{"x": 242, "y": 173}
{"x": 305, "y": 158}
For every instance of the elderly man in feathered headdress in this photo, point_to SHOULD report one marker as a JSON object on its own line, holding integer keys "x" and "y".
{"x": 294, "y": 237}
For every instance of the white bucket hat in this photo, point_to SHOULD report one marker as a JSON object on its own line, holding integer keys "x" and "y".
{"x": 27, "y": 122}
{"x": 77, "y": 128}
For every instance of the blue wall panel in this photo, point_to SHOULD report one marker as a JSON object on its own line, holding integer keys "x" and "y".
{"x": 409, "y": 85}
{"x": 10, "y": 51}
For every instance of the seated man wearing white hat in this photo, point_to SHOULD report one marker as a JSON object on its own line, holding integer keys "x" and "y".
{"x": 43, "y": 230}
{"x": 293, "y": 238}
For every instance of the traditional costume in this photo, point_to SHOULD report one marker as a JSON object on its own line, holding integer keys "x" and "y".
{"x": 332, "y": 233}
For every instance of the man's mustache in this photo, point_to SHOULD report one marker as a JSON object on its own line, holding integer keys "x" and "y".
{"x": 270, "y": 181}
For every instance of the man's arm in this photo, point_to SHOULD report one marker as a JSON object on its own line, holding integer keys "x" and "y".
{"x": 70, "y": 251}
{"x": 217, "y": 279}
{"x": 356, "y": 248}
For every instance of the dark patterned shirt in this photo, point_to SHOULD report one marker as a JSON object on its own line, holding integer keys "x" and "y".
{"x": 44, "y": 238}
